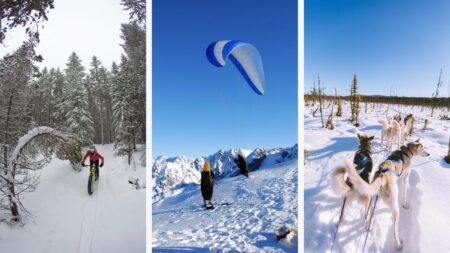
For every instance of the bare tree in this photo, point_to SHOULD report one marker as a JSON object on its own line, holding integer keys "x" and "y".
{"x": 20, "y": 163}
{"x": 436, "y": 93}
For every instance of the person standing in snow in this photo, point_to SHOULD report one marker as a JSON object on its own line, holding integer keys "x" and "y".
{"x": 242, "y": 164}
{"x": 207, "y": 185}
{"x": 94, "y": 158}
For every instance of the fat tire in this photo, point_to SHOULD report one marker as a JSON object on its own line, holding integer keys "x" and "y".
{"x": 91, "y": 181}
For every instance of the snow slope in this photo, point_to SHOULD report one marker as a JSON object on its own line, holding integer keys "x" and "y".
{"x": 257, "y": 207}
{"x": 424, "y": 227}
{"x": 177, "y": 172}
{"x": 66, "y": 219}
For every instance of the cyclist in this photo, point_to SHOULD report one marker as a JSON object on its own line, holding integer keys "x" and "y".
{"x": 94, "y": 158}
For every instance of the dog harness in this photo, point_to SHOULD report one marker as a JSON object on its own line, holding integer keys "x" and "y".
{"x": 363, "y": 163}
{"x": 398, "y": 157}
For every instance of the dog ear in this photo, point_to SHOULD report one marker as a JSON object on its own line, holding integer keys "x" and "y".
{"x": 359, "y": 136}
{"x": 371, "y": 138}
{"x": 418, "y": 140}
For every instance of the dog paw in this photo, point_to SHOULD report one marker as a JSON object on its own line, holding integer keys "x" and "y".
{"x": 406, "y": 205}
{"x": 400, "y": 246}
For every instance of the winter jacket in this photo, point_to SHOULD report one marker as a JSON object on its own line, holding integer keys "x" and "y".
{"x": 207, "y": 184}
{"x": 242, "y": 164}
{"x": 95, "y": 156}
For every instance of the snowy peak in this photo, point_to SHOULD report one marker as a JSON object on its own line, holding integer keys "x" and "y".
{"x": 176, "y": 172}
{"x": 171, "y": 172}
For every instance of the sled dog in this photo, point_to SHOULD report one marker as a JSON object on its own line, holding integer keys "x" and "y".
{"x": 392, "y": 132}
{"x": 362, "y": 165}
{"x": 384, "y": 184}
{"x": 409, "y": 124}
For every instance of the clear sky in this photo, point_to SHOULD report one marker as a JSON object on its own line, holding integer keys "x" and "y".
{"x": 398, "y": 44}
{"x": 84, "y": 26}
{"x": 198, "y": 108}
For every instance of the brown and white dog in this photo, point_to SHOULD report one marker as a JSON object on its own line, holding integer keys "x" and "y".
{"x": 409, "y": 124}
{"x": 397, "y": 165}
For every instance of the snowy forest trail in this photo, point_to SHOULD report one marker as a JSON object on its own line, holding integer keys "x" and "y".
{"x": 423, "y": 227}
{"x": 247, "y": 213}
{"x": 67, "y": 219}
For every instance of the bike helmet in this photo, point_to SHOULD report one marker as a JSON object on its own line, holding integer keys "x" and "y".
{"x": 92, "y": 148}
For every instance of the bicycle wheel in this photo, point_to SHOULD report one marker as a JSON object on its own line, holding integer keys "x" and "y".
{"x": 91, "y": 181}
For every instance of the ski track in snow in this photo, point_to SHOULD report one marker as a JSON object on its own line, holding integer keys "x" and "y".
{"x": 66, "y": 219}
{"x": 257, "y": 207}
{"x": 423, "y": 227}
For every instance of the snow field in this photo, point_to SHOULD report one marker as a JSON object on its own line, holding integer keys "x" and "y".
{"x": 423, "y": 227}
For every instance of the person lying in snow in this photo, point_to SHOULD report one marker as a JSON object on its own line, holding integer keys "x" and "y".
{"x": 207, "y": 185}
{"x": 242, "y": 164}
{"x": 94, "y": 158}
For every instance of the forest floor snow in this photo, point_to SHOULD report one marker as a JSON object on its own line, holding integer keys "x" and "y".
{"x": 66, "y": 219}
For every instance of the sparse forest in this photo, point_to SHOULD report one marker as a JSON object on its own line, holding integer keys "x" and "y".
{"x": 317, "y": 100}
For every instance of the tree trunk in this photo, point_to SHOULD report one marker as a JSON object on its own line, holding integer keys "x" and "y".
{"x": 13, "y": 205}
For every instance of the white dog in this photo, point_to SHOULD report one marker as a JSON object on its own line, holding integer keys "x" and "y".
{"x": 391, "y": 133}
{"x": 288, "y": 236}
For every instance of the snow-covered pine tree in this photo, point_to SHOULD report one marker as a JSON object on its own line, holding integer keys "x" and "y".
{"x": 135, "y": 51}
{"x": 136, "y": 9}
{"x": 123, "y": 113}
{"x": 74, "y": 106}
{"x": 58, "y": 81}
{"x": 99, "y": 86}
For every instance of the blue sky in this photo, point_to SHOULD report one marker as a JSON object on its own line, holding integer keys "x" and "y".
{"x": 398, "y": 44}
{"x": 198, "y": 108}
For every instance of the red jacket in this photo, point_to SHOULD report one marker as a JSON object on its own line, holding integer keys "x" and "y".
{"x": 93, "y": 156}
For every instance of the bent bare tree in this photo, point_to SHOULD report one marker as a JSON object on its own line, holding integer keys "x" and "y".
{"x": 18, "y": 175}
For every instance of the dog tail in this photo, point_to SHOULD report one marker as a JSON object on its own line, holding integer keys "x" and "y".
{"x": 338, "y": 184}
{"x": 384, "y": 123}
{"x": 361, "y": 186}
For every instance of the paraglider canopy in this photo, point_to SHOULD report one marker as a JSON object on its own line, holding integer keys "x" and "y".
{"x": 244, "y": 56}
